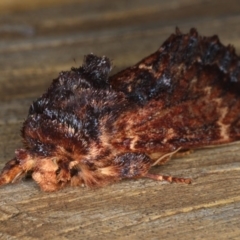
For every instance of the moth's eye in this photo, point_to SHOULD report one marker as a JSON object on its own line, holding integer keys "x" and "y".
{"x": 58, "y": 171}
{"x": 74, "y": 171}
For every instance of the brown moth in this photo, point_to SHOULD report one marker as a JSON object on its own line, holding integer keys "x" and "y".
{"x": 91, "y": 129}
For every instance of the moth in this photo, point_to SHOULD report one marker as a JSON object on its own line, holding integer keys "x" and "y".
{"x": 93, "y": 129}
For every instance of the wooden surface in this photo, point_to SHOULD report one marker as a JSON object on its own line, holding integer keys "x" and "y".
{"x": 39, "y": 40}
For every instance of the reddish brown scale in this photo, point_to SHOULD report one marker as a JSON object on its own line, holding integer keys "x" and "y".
{"x": 91, "y": 129}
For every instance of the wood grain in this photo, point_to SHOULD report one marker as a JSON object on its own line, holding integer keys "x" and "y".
{"x": 39, "y": 40}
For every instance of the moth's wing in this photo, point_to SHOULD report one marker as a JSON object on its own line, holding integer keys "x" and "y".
{"x": 187, "y": 94}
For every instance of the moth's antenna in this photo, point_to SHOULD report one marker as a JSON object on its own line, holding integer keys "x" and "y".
{"x": 165, "y": 155}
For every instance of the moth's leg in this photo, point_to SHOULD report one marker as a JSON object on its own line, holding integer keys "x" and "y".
{"x": 11, "y": 172}
{"x": 170, "y": 179}
{"x": 135, "y": 165}
{"x": 162, "y": 160}
{"x": 16, "y": 168}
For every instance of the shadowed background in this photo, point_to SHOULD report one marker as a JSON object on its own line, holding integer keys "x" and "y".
{"x": 38, "y": 39}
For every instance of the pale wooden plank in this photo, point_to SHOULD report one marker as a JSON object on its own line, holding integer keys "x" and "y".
{"x": 13, "y": 6}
